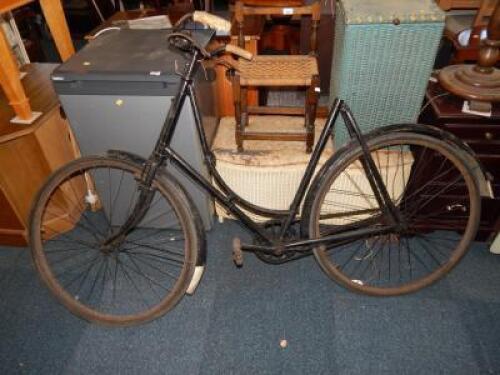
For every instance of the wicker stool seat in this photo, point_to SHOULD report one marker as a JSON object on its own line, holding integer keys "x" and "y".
{"x": 278, "y": 71}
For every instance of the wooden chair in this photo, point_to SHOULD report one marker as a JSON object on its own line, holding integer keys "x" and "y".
{"x": 276, "y": 71}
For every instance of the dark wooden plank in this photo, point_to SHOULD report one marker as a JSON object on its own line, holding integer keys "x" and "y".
{"x": 269, "y": 136}
{"x": 294, "y": 111}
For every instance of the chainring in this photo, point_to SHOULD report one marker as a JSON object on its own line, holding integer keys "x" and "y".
{"x": 273, "y": 229}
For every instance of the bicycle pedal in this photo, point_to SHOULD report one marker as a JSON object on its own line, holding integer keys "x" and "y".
{"x": 237, "y": 252}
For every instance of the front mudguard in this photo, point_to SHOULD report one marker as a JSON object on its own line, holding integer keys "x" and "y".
{"x": 139, "y": 160}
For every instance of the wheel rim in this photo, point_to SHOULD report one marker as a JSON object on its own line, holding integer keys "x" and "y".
{"x": 404, "y": 261}
{"x": 133, "y": 279}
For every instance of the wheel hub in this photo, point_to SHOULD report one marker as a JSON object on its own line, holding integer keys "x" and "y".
{"x": 111, "y": 245}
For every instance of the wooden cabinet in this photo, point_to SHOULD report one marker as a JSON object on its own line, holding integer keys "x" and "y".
{"x": 29, "y": 154}
{"x": 482, "y": 134}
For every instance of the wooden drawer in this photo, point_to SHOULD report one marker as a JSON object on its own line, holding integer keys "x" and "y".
{"x": 483, "y": 139}
{"x": 482, "y": 132}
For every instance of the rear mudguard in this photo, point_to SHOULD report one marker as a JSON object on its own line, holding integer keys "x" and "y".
{"x": 139, "y": 160}
{"x": 483, "y": 177}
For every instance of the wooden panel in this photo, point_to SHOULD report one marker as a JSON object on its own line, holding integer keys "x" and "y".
{"x": 29, "y": 154}
{"x": 56, "y": 133}
{"x": 23, "y": 171}
{"x": 13, "y": 237}
{"x": 8, "y": 218}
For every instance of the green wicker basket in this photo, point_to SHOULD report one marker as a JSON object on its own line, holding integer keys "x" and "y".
{"x": 383, "y": 56}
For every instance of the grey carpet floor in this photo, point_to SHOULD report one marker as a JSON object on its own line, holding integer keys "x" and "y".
{"x": 235, "y": 321}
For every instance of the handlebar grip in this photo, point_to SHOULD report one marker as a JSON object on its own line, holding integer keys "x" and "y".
{"x": 239, "y": 52}
{"x": 212, "y": 21}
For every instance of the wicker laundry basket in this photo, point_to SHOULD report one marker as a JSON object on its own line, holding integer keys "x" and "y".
{"x": 268, "y": 173}
{"x": 384, "y": 52}
{"x": 357, "y": 193}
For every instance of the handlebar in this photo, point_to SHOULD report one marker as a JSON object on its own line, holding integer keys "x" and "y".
{"x": 238, "y": 51}
{"x": 185, "y": 42}
{"x": 212, "y": 21}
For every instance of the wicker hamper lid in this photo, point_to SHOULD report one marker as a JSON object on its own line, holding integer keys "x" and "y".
{"x": 390, "y": 11}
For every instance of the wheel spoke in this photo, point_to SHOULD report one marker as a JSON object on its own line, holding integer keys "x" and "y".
{"x": 103, "y": 279}
{"x": 423, "y": 176}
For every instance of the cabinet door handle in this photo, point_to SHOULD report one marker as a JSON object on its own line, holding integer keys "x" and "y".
{"x": 456, "y": 207}
{"x": 488, "y": 136}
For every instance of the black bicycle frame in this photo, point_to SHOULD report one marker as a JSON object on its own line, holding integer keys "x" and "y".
{"x": 233, "y": 203}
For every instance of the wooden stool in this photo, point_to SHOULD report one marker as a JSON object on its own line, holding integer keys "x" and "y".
{"x": 277, "y": 71}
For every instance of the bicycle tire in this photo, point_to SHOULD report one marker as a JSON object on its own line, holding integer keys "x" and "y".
{"x": 148, "y": 258}
{"x": 424, "y": 199}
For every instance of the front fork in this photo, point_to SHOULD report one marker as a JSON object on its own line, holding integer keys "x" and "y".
{"x": 141, "y": 206}
{"x": 158, "y": 156}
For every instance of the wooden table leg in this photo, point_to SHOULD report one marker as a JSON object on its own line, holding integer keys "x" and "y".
{"x": 11, "y": 82}
{"x": 54, "y": 15}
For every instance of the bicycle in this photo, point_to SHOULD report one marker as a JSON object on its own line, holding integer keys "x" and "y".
{"x": 118, "y": 241}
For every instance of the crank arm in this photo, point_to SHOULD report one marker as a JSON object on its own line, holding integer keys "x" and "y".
{"x": 259, "y": 248}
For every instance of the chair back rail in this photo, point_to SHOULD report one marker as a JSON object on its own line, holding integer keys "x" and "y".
{"x": 314, "y": 10}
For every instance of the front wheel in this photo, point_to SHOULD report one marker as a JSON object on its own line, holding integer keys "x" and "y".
{"x": 97, "y": 275}
{"x": 435, "y": 193}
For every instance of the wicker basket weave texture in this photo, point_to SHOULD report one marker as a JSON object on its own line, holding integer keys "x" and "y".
{"x": 266, "y": 173}
{"x": 278, "y": 70}
{"x": 382, "y": 70}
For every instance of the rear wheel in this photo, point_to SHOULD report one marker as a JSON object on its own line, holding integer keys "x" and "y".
{"x": 433, "y": 189}
{"x": 129, "y": 280}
